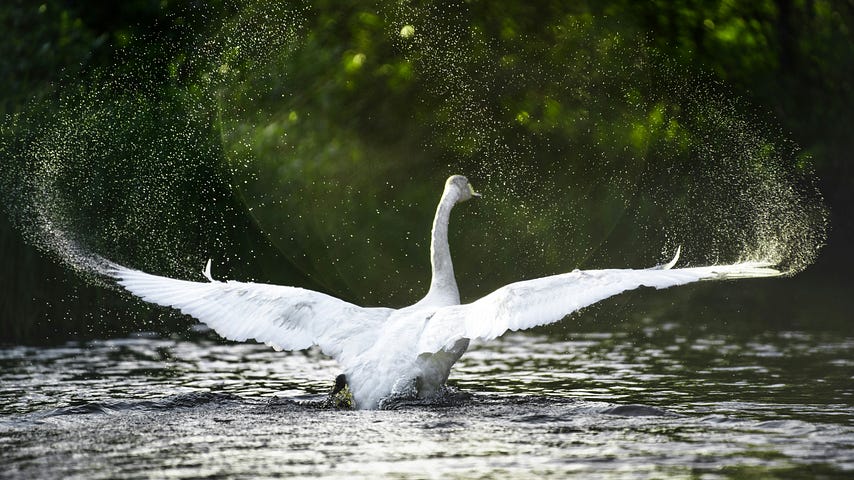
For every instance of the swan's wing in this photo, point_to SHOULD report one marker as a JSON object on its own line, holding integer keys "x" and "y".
{"x": 541, "y": 301}
{"x": 286, "y": 318}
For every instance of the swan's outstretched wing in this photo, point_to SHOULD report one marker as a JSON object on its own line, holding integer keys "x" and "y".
{"x": 541, "y": 301}
{"x": 286, "y": 318}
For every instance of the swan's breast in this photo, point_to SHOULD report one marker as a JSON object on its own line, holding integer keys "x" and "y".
{"x": 394, "y": 359}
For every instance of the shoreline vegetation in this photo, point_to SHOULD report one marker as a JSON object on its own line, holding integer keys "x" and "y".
{"x": 352, "y": 107}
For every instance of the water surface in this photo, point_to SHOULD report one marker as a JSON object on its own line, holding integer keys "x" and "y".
{"x": 663, "y": 401}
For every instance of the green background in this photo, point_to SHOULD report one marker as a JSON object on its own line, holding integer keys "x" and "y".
{"x": 329, "y": 179}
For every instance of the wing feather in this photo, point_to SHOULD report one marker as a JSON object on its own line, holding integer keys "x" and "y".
{"x": 286, "y": 318}
{"x": 546, "y": 300}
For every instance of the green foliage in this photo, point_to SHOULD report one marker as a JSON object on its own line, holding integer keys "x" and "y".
{"x": 314, "y": 136}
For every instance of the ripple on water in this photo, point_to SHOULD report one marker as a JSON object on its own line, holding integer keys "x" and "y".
{"x": 525, "y": 406}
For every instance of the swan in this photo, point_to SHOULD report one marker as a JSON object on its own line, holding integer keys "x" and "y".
{"x": 386, "y": 352}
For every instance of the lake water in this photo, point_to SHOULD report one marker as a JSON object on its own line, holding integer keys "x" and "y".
{"x": 662, "y": 401}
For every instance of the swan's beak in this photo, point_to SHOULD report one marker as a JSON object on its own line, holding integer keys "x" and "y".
{"x": 473, "y": 193}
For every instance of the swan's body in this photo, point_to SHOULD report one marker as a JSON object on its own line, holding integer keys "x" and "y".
{"x": 384, "y": 351}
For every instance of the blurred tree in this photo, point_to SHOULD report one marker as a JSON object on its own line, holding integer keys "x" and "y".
{"x": 304, "y": 106}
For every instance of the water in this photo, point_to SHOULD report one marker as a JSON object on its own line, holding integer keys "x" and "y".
{"x": 264, "y": 133}
{"x": 663, "y": 401}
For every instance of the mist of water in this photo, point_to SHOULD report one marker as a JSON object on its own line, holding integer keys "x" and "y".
{"x": 331, "y": 134}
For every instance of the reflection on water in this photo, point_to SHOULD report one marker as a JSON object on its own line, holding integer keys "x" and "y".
{"x": 669, "y": 401}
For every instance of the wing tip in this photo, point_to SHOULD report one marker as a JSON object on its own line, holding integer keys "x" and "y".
{"x": 112, "y": 270}
{"x": 747, "y": 269}
{"x": 760, "y": 269}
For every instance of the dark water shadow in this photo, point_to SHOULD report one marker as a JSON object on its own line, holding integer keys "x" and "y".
{"x": 454, "y": 403}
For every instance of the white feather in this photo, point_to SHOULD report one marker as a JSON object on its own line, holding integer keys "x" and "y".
{"x": 286, "y": 318}
{"x": 385, "y": 351}
{"x": 541, "y": 301}
{"x": 207, "y": 271}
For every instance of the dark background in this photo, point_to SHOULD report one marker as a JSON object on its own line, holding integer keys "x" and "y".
{"x": 791, "y": 61}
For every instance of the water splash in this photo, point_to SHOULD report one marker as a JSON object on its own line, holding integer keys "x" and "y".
{"x": 594, "y": 152}
{"x": 114, "y": 171}
{"x": 331, "y": 133}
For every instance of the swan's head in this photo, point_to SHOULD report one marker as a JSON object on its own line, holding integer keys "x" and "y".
{"x": 462, "y": 187}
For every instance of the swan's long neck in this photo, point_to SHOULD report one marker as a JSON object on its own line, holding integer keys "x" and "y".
{"x": 443, "y": 286}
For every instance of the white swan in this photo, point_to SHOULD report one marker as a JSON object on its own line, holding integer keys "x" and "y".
{"x": 384, "y": 351}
